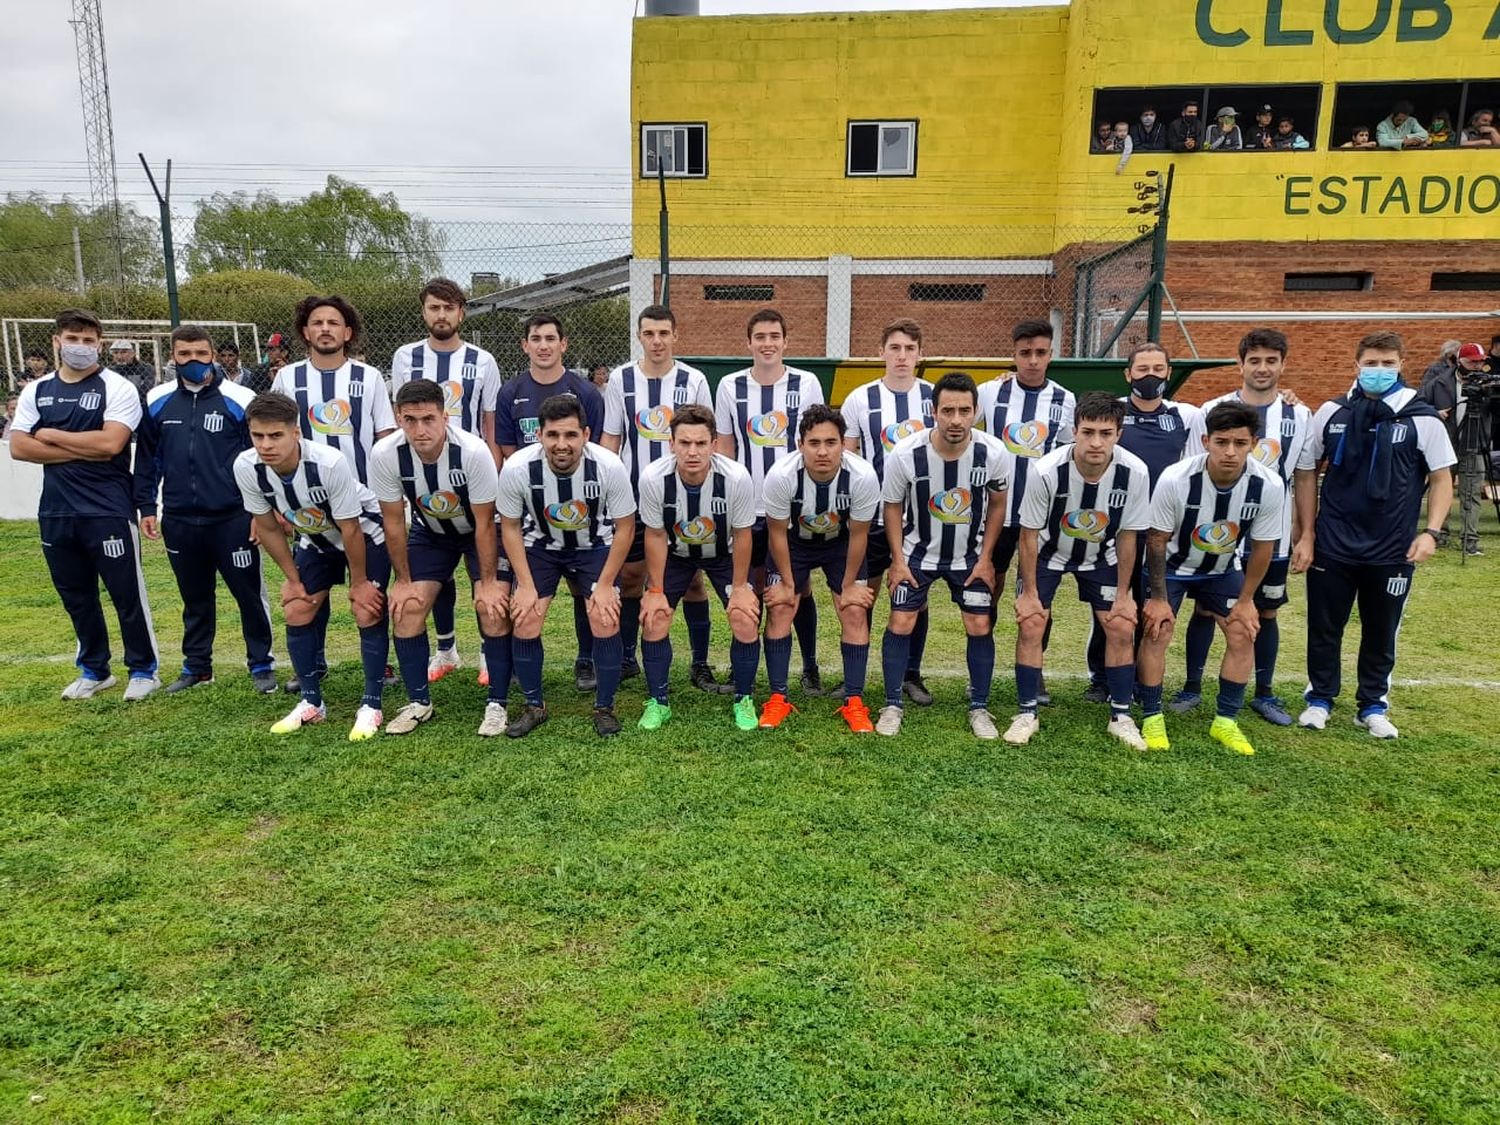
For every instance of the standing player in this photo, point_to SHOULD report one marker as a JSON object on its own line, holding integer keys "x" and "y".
{"x": 1282, "y": 448}
{"x": 1384, "y": 447}
{"x": 878, "y": 415}
{"x": 1085, "y": 505}
{"x": 470, "y": 379}
{"x": 819, "y": 503}
{"x": 518, "y": 422}
{"x": 566, "y": 511}
{"x": 1203, "y": 509}
{"x": 757, "y": 411}
{"x": 193, "y": 429}
{"x": 947, "y": 487}
{"x": 76, "y": 423}
{"x": 697, "y": 508}
{"x": 338, "y": 522}
{"x": 448, "y": 477}
{"x": 640, "y": 400}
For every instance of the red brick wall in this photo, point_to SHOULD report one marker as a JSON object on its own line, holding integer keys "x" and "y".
{"x": 718, "y": 327}
{"x": 949, "y": 328}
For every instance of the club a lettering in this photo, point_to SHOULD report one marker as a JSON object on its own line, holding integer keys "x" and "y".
{"x": 1226, "y": 23}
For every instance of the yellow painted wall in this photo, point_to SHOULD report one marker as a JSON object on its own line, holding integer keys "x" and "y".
{"x": 1005, "y": 97}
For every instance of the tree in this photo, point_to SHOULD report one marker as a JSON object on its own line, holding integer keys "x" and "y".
{"x": 339, "y": 235}
{"x": 36, "y": 244}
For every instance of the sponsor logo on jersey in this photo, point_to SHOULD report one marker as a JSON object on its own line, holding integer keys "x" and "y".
{"x": 767, "y": 429}
{"x": 696, "y": 532}
{"x": 893, "y": 433}
{"x": 654, "y": 423}
{"x": 312, "y": 520}
{"x": 821, "y": 523}
{"x": 90, "y": 400}
{"x": 1268, "y": 452}
{"x": 331, "y": 418}
{"x": 213, "y": 422}
{"x": 453, "y": 397}
{"x": 529, "y": 428}
{"x": 568, "y": 515}
{"x": 1026, "y": 439}
{"x": 954, "y": 505}
{"x": 1217, "y": 538}
{"x": 441, "y": 505}
{"x": 1088, "y": 524}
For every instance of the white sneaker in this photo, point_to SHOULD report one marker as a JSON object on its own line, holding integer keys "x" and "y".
{"x": 1021, "y": 728}
{"x": 1379, "y": 725}
{"x": 409, "y": 718}
{"x": 495, "y": 720}
{"x": 304, "y": 714}
{"x": 1313, "y": 717}
{"x": 889, "y": 722}
{"x": 982, "y": 723}
{"x": 85, "y": 687}
{"x": 139, "y": 687}
{"x": 1123, "y": 727}
{"x": 443, "y": 661}
{"x": 367, "y": 722}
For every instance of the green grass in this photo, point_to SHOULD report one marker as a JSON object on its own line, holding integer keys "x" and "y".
{"x": 203, "y": 923}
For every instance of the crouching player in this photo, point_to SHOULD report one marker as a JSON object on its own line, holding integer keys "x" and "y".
{"x": 1084, "y": 505}
{"x": 448, "y": 477}
{"x": 698, "y": 509}
{"x": 820, "y": 502}
{"x": 340, "y": 534}
{"x": 1204, "y": 507}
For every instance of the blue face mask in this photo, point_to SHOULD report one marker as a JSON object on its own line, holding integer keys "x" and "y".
{"x": 195, "y": 370}
{"x": 1378, "y": 381}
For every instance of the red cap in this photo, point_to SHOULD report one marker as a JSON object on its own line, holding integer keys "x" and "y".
{"x": 1472, "y": 352}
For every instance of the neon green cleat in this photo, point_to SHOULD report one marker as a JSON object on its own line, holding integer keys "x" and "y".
{"x": 1154, "y": 731}
{"x": 745, "y": 716}
{"x": 653, "y": 715}
{"x": 1227, "y": 731}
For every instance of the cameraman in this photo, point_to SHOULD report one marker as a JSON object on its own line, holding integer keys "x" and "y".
{"x": 1475, "y": 413}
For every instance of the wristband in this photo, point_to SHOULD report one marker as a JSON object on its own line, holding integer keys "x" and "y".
{"x": 1437, "y": 535}
{"x": 655, "y": 590}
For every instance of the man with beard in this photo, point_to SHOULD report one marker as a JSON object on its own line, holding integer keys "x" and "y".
{"x": 1186, "y": 133}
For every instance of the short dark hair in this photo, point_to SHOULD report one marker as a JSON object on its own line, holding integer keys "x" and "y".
{"x": 1380, "y": 341}
{"x": 1028, "y": 329}
{"x": 1403, "y": 106}
{"x": 906, "y": 326}
{"x": 558, "y": 407}
{"x": 959, "y": 382}
{"x": 228, "y": 346}
{"x": 420, "y": 392}
{"x": 693, "y": 414}
{"x": 1141, "y": 349}
{"x": 541, "y": 320}
{"x": 1232, "y": 416}
{"x": 308, "y": 305}
{"x": 1359, "y": 129}
{"x": 765, "y": 316}
{"x": 656, "y": 312}
{"x": 1495, "y": 339}
{"x": 272, "y": 406}
{"x": 444, "y": 289}
{"x": 77, "y": 320}
{"x": 190, "y": 334}
{"x": 1271, "y": 339}
{"x": 37, "y": 353}
{"x": 816, "y": 415}
{"x": 1100, "y": 406}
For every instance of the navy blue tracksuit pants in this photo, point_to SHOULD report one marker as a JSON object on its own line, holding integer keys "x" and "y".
{"x": 200, "y": 552}
{"x": 83, "y": 551}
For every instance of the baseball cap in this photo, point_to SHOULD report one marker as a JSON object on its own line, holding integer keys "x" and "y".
{"x": 276, "y": 340}
{"x": 1226, "y": 111}
{"x": 122, "y": 346}
{"x": 1471, "y": 352}
{"x": 1264, "y": 109}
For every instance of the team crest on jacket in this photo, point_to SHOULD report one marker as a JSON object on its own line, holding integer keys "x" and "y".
{"x": 213, "y": 422}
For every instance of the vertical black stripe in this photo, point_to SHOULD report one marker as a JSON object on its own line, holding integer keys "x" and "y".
{"x": 922, "y": 515}
{"x": 1062, "y": 487}
{"x": 357, "y": 420}
{"x": 719, "y": 509}
{"x": 598, "y": 511}
{"x": 768, "y": 453}
{"x": 1189, "y": 521}
{"x": 539, "y": 502}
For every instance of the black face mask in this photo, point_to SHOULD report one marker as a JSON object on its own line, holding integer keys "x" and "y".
{"x": 1148, "y": 387}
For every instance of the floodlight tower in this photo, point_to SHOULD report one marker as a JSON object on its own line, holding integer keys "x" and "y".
{"x": 98, "y": 122}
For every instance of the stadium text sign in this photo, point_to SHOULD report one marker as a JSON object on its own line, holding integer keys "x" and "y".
{"x": 1392, "y": 195}
{"x": 1416, "y": 21}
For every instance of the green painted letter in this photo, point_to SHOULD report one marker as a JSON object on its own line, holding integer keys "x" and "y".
{"x": 1407, "y": 30}
{"x": 1209, "y": 35}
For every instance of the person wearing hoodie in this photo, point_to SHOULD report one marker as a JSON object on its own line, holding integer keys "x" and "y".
{"x": 1186, "y": 133}
{"x": 1148, "y": 134}
{"x": 1287, "y": 138}
{"x": 1226, "y": 135}
{"x": 1382, "y": 446}
{"x": 192, "y": 430}
{"x": 1262, "y": 135}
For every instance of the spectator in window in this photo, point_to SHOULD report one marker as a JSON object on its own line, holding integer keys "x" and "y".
{"x": 1481, "y": 131}
{"x": 1186, "y": 133}
{"x": 1226, "y": 135}
{"x": 1400, "y": 129}
{"x": 1103, "y": 133}
{"x": 37, "y": 365}
{"x": 1359, "y": 137}
{"x": 1121, "y": 143}
{"x": 1287, "y": 137}
{"x": 1262, "y": 135}
{"x": 1441, "y": 132}
{"x": 1148, "y": 134}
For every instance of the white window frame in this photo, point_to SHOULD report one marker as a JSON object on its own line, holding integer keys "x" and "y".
{"x": 908, "y": 170}
{"x": 680, "y": 131}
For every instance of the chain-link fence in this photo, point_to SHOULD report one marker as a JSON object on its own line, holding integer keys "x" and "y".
{"x": 837, "y": 286}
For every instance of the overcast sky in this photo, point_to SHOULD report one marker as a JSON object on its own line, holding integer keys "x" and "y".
{"x": 532, "y": 99}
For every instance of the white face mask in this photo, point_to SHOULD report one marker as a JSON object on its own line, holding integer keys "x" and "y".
{"x": 79, "y": 357}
